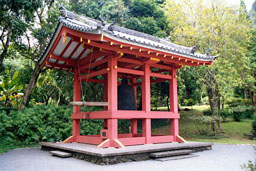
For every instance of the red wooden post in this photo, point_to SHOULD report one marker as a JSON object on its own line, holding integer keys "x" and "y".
{"x": 146, "y": 123}
{"x": 134, "y": 128}
{"x": 174, "y": 103}
{"x": 76, "y": 109}
{"x": 112, "y": 98}
{"x": 105, "y": 98}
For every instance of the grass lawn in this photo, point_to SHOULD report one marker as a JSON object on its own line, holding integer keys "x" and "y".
{"x": 233, "y": 132}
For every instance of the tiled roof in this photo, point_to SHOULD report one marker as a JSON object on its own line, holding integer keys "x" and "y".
{"x": 86, "y": 24}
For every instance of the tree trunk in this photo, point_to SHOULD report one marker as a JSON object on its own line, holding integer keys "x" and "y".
{"x": 245, "y": 93}
{"x": 219, "y": 116}
{"x": 6, "y": 46}
{"x": 167, "y": 103}
{"x": 31, "y": 85}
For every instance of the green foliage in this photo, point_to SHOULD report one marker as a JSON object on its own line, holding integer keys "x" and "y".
{"x": 207, "y": 112}
{"x": 254, "y": 127}
{"x": 236, "y": 101}
{"x": 242, "y": 112}
{"x": 249, "y": 166}
{"x": 42, "y": 123}
{"x": 10, "y": 89}
{"x": 226, "y": 113}
{"x": 189, "y": 102}
{"x": 203, "y": 124}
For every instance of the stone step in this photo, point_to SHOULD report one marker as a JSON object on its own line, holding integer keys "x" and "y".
{"x": 60, "y": 154}
{"x": 176, "y": 157}
{"x": 170, "y": 153}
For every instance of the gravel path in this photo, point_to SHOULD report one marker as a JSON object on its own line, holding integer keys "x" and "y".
{"x": 220, "y": 158}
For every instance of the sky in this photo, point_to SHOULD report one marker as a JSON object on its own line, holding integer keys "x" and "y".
{"x": 248, "y": 3}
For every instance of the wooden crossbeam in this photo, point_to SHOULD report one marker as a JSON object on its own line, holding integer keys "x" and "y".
{"x": 168, "y": 77}
{"x": 130, "y": 71}
{"x": 89, "y": 103}
{"x": 69, "y": 61}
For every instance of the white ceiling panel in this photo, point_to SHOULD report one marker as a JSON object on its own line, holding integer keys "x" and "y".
{"x": 85, "y": 53}
{"x": 78, "y": 52}
{"x": 59, "y": 48}
{"x": 70, "y": 49}
{"x": 61, "y": 62}
{"x": 52, "y": 60}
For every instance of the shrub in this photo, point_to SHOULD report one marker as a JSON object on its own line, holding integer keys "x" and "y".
{"x": 225, "y": 114}
{"x": 238, "y": 113}
{"x": 242, "y": 112}
{"x": 254, "y": 127}
{"x": 249, "y": 111}
{"x": 235, "y": 101}
{"x": 203, "y": 124}
{"x": 250, "y": 166}
{"x": 207, "y": 112}
{"x": 42, "y": 123}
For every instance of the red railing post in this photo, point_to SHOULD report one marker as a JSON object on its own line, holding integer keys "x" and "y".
{"x": 174, "y": 103}
{"x": 76, "y": 109}
{"x": 146, "y": 123}
{"x": 112, "y": 98}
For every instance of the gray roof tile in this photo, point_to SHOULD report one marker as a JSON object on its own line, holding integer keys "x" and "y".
{"x": 86, "y": 24}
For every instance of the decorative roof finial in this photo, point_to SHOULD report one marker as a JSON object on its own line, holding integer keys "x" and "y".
{"x": 111, "y": 26}
{"x": 194, "y": 48}
{"x": 208, "y": 52}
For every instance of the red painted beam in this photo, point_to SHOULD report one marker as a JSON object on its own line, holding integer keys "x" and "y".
{"x": 132, "y": 141}
{"x": 59, "y": 65}
{"x": 92, "y": 115}
{"x": 89, "y": 139}
{"x": 162, "y": 139}
{"x": 130, "y": 71}
{"x": 69, "y": 61}
{"x": 168, "y": 77}
{"x": 131, "y": 61}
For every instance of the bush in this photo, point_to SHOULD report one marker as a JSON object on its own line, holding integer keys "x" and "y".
{"x": 249, "y": 111}
{"x": 254, "y": 127}
{"x": 207, "y": 112}
{"x": 235, "y": 101}
{"x": 225, "y": 114}
{"x": 250, "y": 166}
{"x": 42, "y": 123}
{"x": 203, "y": 124}
{"x": 242, "y": 112}
{"x": 238, "y": 113}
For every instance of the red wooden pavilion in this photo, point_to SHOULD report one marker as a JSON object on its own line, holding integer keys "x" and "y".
{"x": 89, "y": 48}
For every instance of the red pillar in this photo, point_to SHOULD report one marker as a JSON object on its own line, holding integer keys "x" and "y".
{"x": 76, "y": 109}
{"x": 112, "y": 98}
{"x": 146, "y": 123}
{"x": 174, "y": 103}
{"x": 105, "y": 98}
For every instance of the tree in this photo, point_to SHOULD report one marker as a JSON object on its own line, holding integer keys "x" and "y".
{"x": 15, "y": 18}
{"x": 37, "y": 37}
{"x": 221, "y": 29}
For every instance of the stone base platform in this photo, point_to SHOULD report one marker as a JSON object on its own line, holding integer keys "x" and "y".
{"x": 105, "y": 156}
